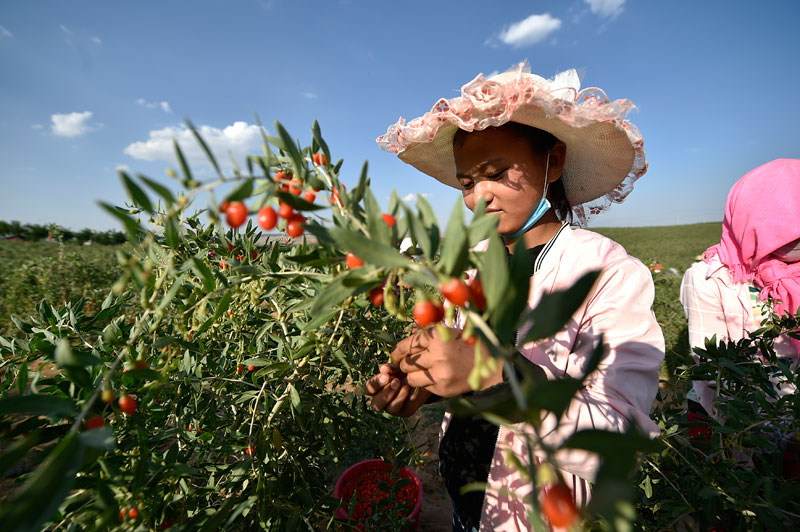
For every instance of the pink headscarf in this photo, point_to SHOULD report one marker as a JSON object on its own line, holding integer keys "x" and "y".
{"x": 762, "y": 214}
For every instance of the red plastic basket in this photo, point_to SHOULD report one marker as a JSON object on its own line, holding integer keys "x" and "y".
{"x": 362, "y": 479}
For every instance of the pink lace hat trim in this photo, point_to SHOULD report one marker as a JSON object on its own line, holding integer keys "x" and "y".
{"x": 605, "y": 153}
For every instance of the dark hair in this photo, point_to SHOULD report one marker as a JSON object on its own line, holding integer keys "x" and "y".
{"x": 541, "y": 141}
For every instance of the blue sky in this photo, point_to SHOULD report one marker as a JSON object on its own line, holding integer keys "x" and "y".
{"x": 90, "y": 86}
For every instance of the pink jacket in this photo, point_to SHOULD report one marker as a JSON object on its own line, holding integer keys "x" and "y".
{"x": 620, "y": 391}
{"x": 715, "y": 304}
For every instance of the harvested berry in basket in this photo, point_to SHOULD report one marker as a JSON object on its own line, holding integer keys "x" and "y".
{"x": 374, "y": 488}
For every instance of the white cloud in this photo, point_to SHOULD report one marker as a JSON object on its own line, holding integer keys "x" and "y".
{"x": 530, "y": 31}
{"x": 5, "y": 33}
{"x": 240, "y": 139}
{"x": 408, "y": 198}
{"x": 606, "y": 8}
{"x": 37, "y": 126}
{"x": 96, "y": 40}
{"x": 123, "y": 168}
{"x": 65, "y": 29}
{"x": 309, "y": 95}
{"x": 72, "y": 124}
{"x": 152, "y": 105}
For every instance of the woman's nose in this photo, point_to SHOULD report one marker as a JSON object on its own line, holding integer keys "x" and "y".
{"x": 483, "y": 189}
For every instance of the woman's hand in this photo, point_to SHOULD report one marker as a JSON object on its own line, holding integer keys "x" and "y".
{"x": 441, "y": 367}
{"x": 390, "y": 392}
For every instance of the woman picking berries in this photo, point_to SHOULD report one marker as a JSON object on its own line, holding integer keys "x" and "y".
{"x": 542, "y": 154}
{"x": 753, "y": 270}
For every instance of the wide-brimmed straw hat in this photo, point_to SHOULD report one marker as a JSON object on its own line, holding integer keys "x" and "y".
{"x": 604, "y": 156}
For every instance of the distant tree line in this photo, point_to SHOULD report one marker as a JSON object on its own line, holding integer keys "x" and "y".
{"x": 15, "y": 229}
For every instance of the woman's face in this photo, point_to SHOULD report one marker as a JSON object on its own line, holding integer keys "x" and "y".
{"x": 502, "y": 167}
{"x": 788, "y": 253}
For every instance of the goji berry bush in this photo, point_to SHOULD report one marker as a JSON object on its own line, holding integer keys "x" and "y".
{"x": 218, "y": 383}
{"x": 736, "y": 469}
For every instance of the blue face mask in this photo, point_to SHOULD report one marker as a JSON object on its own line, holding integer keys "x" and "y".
{"x": 538, "y": 212}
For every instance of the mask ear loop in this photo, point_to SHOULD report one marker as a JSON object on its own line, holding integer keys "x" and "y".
{"x": 546, "y": 177}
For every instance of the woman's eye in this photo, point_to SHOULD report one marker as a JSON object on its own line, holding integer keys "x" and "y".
{"x": 498, "y": 175}
{"x": 466, "y": 185}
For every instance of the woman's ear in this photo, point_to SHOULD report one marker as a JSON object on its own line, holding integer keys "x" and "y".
{"x": 558, "y": 154}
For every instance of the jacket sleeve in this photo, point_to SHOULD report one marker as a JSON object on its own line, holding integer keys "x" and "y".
{"x": 702, "y": 303}
{"x": 623, "y": 387}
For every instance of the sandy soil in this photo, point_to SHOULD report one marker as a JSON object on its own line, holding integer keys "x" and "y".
{"x": 436, "y": 514}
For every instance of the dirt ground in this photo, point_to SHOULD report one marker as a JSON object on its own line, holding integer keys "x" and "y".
{"x": 436, "y": 513}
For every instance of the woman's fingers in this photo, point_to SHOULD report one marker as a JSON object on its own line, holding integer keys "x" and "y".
{"x": 397, "y": 403}
{"x": 383, "y": 397}
{"x": 386, "y": 372}
{"x": 420, "y": 378}
{"x": 415, "y": 400}
{"x": 377, "y": 383}
{"x": 416, "y": 343}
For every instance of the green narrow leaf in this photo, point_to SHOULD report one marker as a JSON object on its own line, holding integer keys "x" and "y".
{"x": 245, "y": 190}
{"x": 317, "y": 135}
{"x": 209, "y": 284}
{"x": 454, "y": 252}
{"x": 332, "y": 294}
{"x": 204, "y": 146}
{"x": 172, "y": 232}
{"x": 394, "y": 203}
{"x": 297, "y": 202}
{"x": 222, "y": 306}
{"x": 289, "y": 147}
{"x": 22, "y": 378}
{"x": 64, "y": 356}
{"x": 261, "y": 161}
{"x": 69, "y": 358}
{"x": 418, "y": 233}
{"x": 319, "y": 319}
{"x": 213, "y": 524}
{"x": 483, "y": 226}
{"x": 369, "y": 250}
{"x": 131, "y": 227}
{"x": 135, "y": 192}
{"x": 42, "y": 494}
{"x": 494, "y": 274}
{"x": 295, "y": 397}
{"x": 556, "y": 308}
{"x": 607, "y": 443}
{"x": 101, "y": 438}
{"x": 158, "y": 188}
{"x": 647, "y": 486}
{"x": 378, "y": 229}
{"x": 597, "y": 355}
{"x": 324, "y": 236}
{"x": 45, "y": 310}
{"x": 171, "y": 292}
{"x": 17, "y": 451}
{"x": 553, "y": 396}
{"x": 363, "y": 183}
{"x": 22, "y": 326}
{"x": 187, "y": 173}
{"x": 515, "y": 300}
{"x": 430, "y": 221}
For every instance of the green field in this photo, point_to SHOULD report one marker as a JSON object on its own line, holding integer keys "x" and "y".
{"x": 674, "y": 246}
{"x": 44, "y": 270}
{"x": 54, "y": 272}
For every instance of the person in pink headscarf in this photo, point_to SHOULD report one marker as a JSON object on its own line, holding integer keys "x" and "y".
{"x": 754, "y": 270}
